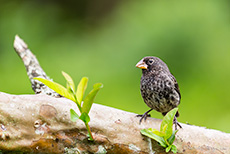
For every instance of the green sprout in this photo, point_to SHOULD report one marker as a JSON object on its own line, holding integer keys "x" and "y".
{"x": 166, "y": 135}
{"x": 76, "y": 96}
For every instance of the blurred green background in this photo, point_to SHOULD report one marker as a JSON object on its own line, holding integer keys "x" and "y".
{"x": 105, "y": 39}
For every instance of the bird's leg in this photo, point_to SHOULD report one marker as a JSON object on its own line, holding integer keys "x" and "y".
{"x": 176, "y": 123}
{"x": 144, "y": 116}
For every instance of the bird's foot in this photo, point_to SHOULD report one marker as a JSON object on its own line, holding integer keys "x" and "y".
{"x": 140, "y": 115}
{"x": 176, "y": 123}
{"x": 144, "y": 116}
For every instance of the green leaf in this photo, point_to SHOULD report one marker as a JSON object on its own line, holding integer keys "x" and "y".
{"x": 73, "y": 115}
{"x": 85, "y": 117}
{"x": 164, "y": 128}
{"x": 174, "y": 149}
{"x": 57, "y": 88}
{"x": 69, "y": 80}
{"x": 81, "y": 89}
{"x": 150, "y": 134}
{"x": 155, "y": 131}
{"x": 172, "y": 137}
{"x": 168, "y": 148}
{"x": 168, "y": 119}
{"x": 97, "y": 86}
{"x": 88, "y": 101}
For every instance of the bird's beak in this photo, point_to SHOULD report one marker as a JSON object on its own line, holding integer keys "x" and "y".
{"x": 141, "y": 64}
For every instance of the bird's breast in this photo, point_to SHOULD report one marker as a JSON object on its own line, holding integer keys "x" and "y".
{"x": 158, "y": 93}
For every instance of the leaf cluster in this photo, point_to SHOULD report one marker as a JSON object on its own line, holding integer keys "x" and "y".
{"x": 76, "y": 95}
{"x": 166, "y": 136}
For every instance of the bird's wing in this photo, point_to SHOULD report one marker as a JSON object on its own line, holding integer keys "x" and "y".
{"x": 176, "y": 85}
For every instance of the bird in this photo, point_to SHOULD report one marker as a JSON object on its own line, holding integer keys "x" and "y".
{"x": 159, "y": 88}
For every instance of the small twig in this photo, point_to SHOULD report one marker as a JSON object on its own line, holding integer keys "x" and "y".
{"x": 32, "y": 67}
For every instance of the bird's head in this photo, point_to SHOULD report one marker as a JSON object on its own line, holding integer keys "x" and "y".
{"x": 149, "y": 64}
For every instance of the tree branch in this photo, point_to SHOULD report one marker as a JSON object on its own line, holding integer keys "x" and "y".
{"x": 40, "y": 123}
{"x": 33, "y": 68}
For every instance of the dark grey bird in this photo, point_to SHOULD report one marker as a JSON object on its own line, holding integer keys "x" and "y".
{"x": 159, "y": 88}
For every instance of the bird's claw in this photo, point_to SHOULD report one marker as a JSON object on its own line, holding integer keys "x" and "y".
{"x": 143, "y": 116}
{"x": 140, "y": 115}
{"x": 176, "y": 123}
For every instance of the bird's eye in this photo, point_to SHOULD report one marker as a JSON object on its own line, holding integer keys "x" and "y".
{"x": 151, "y": 61}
